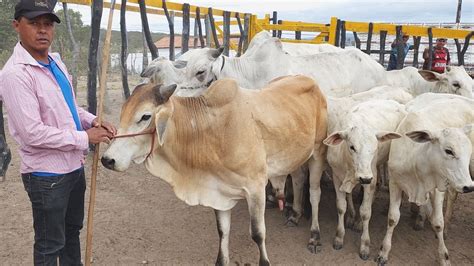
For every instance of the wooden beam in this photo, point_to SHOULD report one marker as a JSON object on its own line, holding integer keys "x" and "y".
{"x": 171, "y": 27}
{"x": 186, "y": 26}
{"x": 146, "y": 30}
{"x": 226, "y": 29}
{"x": 400, "y": 48}
{"x": 383, "y": 36}
{"x": 369, "y": 37}
{"x": 124, "y": 50}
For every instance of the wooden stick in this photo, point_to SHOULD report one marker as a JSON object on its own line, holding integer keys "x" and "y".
{"x": 103, "y": 76}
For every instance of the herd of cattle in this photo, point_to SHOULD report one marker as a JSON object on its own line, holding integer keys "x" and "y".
{"x": 218, "y": 128}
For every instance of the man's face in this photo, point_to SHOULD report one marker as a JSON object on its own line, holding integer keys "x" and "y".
{"x": 36, "y": 35}
{"x": 440, "y": 42}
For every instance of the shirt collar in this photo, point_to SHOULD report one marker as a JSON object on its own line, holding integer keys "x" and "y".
{"x": 22, "y": 56}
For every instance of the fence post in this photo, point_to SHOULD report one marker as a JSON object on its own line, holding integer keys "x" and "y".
{"x": 343, "y": 34}
{"x": 146, "y": 29}
{"x": 333, "y": 31}
{"x": 186, "y": 26}
{"x": 430, "y": 48}
{"x": 226, "y": 29}
{"x": 241, "y": 30}
{"x": 274, "y": 21}
{"x": 466, "y": 45}
{"x": 247, "y": 22}
{"x": 357, "y": 39}
{"x": 279, "y": 31}
{"x": 171, "y": 27}
{"x": 338, "y": 33}
{"x": 207, "y": 25}
{"x": 383, "y": 37}
{"x": 213, "y": 27}
{"x": 124, "y": 50}
{"x": 416, "y": 49}
{"x": 400, "y": 48}
{"x": 369, "y": 38}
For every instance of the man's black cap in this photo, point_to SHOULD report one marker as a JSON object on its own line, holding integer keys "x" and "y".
{"x": 32, "y": 8}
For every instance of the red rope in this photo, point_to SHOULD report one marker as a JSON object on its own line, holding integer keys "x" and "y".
{"x": 144, "y": 132}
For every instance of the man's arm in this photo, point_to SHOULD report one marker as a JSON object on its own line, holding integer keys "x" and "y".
{"x": 24, "y": 116}
{"x": 448, "y": 57}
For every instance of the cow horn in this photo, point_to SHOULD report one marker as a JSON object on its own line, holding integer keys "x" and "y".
{"x": 167, "y": 91}
{"x": 215, "y": 53}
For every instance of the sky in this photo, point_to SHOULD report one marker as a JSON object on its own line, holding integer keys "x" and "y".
{"x": 399, "y": 11}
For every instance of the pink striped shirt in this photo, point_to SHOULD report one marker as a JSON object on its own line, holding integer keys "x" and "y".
{"x": 39, "y": 118}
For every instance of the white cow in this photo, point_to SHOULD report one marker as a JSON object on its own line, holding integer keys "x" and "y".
{"x": 433, "y": 156}
{"x": 291, "y": 48}
{"x": 454, "y": 81}
{"x": 337, "y": 74}
{"x": 360, "y": 143}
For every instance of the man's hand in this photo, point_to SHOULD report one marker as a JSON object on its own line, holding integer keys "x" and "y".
{"x": 99, "y": 134}
{"x": 108, "y": 126}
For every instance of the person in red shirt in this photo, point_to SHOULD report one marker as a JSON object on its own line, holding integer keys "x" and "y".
{"x": 440, "y": 57}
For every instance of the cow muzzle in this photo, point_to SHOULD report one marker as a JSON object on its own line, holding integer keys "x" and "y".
{"x": 108, "y": 163}
{"x": 365, "y": 180}
{"x": 467, "y": 189}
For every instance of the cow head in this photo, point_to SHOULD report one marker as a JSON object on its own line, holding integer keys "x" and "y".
{"x": 165, "y": 72}
{"x": 449, "y": 152}
{"x": 454, "y": 81}
{"x": 202, "y": 69}
{"x": 362, "y": 145}
{"x": 137, "y": 116}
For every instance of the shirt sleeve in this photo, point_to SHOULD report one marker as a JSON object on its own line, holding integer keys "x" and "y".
{"x": 24, "y": 117}
{"x": 85, "y": 117}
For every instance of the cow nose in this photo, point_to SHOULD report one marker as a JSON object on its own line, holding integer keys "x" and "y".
{"x": 365, "y": 180}
{"x": 467, "y": 189}
{"x": 108, "y": 163}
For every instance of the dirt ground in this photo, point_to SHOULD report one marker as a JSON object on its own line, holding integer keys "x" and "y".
{"x": 138, "y": 220}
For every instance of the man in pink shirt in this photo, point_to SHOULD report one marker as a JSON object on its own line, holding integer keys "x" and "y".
{"x": 52, "y": 131}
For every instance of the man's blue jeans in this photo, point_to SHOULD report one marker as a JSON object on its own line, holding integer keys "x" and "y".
{"x": 58, "y": 214}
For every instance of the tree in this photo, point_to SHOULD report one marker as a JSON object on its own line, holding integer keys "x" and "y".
{"x": 8, "y": 36}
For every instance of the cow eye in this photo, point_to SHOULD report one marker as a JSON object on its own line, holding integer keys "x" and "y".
{"x": 457, "y": 85}
{"x": 144, "y": 118}
{"x": 352, "y": 148}
{"x": 449, "y": 152}
{"x": 200, "y": 72}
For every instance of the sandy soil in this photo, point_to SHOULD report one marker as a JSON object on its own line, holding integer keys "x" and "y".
{"x": 138, "y": 220}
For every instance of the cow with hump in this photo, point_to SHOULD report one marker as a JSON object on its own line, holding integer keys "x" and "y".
{"x": 432, "y": 157}
{"x": 224, "y": 145}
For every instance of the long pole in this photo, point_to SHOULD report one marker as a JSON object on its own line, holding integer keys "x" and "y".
{"x": 95, "y": 162}
{"x": 458, "y": 13}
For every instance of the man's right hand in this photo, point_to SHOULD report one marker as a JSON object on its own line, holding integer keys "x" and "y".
{"x": 99, "y": 134}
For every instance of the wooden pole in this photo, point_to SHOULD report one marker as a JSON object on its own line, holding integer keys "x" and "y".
{"x": 186, "y": 26}
{"x": 279, "y": 31}
{"x": 198, "y": 22}
{"x": 400, "y": 48}
{"x": 146, "y": 29}
{"x": 246, "y": 31}
{"x": 226, "y": 29}
{"x": 213, "y": 27}
{"x": 124, "y": 50}
{"x": 95, "y": 162}
{"x": 383, "y": 36}
{"x": 97, "y": 6}
{"x": 416, "y": 49}
{"x": 338, "y": 33}
{"x": 430, "y": 48}
{"x": 241, "y": 38}
{"x": 369, "y": 37}
{"x": 357, "y": 39}
{"x": 171, "y": 27}
{"x": 343, "y": 34}
{"x": 274, "y": 20}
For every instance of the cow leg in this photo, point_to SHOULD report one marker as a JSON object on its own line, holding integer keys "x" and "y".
{"x": 316, "y": 167}
{"x": 393, "y": 218}
{"x": 365, "y": 214}
{"x": 297, "y": 178}
{"x": 341, "y": 204}
{"x": 452, "y": 195}
{"x": 437, "y": 223}
{"x": 223, "y": 228}
{"x": 256, "y": 202}
{"x": 351, "y": 216}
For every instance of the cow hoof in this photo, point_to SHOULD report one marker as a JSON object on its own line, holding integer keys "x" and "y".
{"x": 364, "y": 255}
{"x": 336, "y": 245}
{"x": 314, "y": 248}
{"x": 291, "y": 222}
{"x": 381, "y": 261}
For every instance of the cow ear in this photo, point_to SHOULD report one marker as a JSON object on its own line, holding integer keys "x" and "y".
{"x": 421, "y": 136}
{"x": 335, "y": 138}
{"x": 149, "y": 71}
{"x": 385, "y": 135}
{"x": 468, "y": 129}
{"x": 161, "y": 123}
{"x": 180, "y": 64}
{"x": 430, "y": 75}
{"x": 167, "y": 91}
{"x": 215, "y": 53}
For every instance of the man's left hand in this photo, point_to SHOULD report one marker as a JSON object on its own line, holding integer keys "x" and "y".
{"x": 111, "y": 128}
